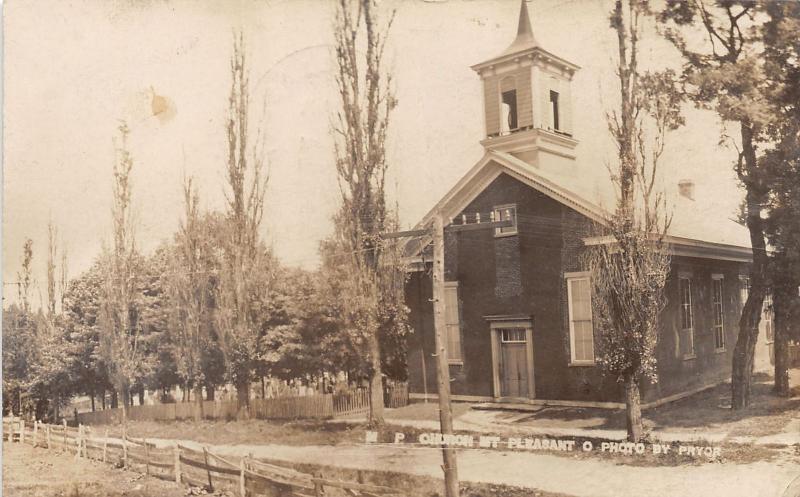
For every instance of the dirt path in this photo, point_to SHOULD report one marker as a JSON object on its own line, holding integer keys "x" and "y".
{"x": 582, "y": 477}
{"x": 29, "y": 472}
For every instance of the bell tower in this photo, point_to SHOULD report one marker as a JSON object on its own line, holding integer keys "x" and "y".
{"x": 527, "y": 99}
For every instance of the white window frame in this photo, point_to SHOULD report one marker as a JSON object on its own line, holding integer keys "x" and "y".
{"x": 718, "y": 328}
{"x": 503, "y": 333}
{"x": 682, "y": 308}
{"x": 451, "y": 358}
{"x": 498, "y": 216}
{"x": 573, "y": 361}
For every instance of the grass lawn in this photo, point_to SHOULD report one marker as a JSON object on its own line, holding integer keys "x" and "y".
{"x": 253, "y": 432}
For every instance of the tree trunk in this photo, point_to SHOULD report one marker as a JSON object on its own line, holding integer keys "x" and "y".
{"x": 126, "y": 398}
{"x": 743, "y": 352}
{"x": 633, "y": 409}
{"x": 198, "y": 398}
{"x": 114, "y": 399}
{"x": 263, "y": 389}
{"x": 103, "y": 393}
{"x": 141, "y": 395}
{"x": 91, "y": 396}
{"x": 375, "y": 383}
{"x": 243, "y": 397}
{"x": 210, "y": 389}
{"x": 782, "y": 323}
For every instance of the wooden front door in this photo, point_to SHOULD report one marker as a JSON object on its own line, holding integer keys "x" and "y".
{"x": 513, "y": 363}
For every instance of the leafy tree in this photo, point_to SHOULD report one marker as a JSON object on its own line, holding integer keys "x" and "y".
{"x": 782, "y": 162}
{"x": 81, "y": 308}
{"x": 724, "y": 72}
{"x": 361, "y": 128}
{"x": 18, "y": 335}
{"x": 18, "y": 358}
{"x": 157, "y": 369}
{"x": 629, "y": 273}
{"x": 49, "y": 385}
{"x": 286, "y": 351}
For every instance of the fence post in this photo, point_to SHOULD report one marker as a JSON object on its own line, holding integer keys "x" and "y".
{"x": 319, "y": 490}
{"x": 22, "y": 431}
{"x": 177, "y": 463}
{"x": 35, "y": 431}
{"x": 105, "y": 445}
{"x": 205, "y": 457}
{"x": 87, "y": 435}
{"x": 242, "y": 487}
{"x": 47, "y": 434}
{"x": 78, "y": 442}
{"x": 146, "y": 457}
{"x": 65, "y": 433}
{"x": 124, "y": 448}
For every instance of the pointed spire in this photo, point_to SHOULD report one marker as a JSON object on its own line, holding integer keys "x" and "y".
{"x": 524, "y": 28}
{"x": 525, "y": 38}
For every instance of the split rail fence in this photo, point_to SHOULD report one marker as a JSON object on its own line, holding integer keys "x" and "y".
{"x": 248, "y": 477}
{"x": 322, "y": 406}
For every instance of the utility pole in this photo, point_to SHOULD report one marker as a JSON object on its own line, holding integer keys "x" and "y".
{"x": 450, "y": 466}
{"x": 436, "y": 231}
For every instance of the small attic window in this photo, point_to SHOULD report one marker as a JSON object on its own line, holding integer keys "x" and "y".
{"x": 508, "y": 116}
{"x": 554, "y": 110}
{"x": 506, "y": 213}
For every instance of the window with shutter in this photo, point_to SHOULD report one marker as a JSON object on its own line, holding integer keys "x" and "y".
{"x": 581, "y": 331}
{"x": 453, "y": 322}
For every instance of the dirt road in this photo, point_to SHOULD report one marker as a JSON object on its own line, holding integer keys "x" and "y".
{"x": 583, "y": 477}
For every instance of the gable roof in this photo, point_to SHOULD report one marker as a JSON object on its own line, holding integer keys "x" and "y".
{"x": 693, "y": 232}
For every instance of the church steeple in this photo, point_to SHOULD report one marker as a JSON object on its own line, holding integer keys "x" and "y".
{"x": 525, "y": 39}
{"x": 526, "y": 93}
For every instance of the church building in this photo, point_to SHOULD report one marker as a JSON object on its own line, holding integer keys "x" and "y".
{"x": 518, "y": 302}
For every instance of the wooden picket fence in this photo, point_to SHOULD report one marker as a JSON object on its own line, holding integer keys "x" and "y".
{"x": 323, "y": 406}
{"x": 351, "y": 402}
{"x": 248, "y": 477}
{"x": 396, "y": 395}
{"x": 794, "y": 355}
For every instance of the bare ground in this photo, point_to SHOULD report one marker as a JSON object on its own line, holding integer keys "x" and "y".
{"x": 29, "y": 472}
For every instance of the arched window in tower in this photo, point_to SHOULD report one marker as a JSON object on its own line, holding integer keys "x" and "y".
{"x": 508, "y": 105}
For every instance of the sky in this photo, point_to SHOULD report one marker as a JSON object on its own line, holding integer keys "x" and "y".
{"x": 74, "y": 70}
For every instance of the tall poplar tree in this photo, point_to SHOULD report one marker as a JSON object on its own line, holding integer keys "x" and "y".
{"x": 362, "y": 121}
{"x": 119, "y": 326}
{"x": 629, "y": 271}
{"x": 243, "y": 279}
